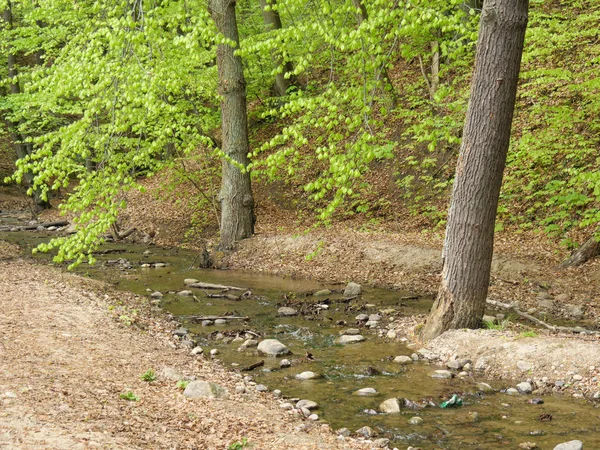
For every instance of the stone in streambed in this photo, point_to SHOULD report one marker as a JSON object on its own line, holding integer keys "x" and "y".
{"x": 308, "y": 375}
{"x": 350, "y": 332}
{"x": 457, "y": 364}
{"x": 350, "y": 339}
{"x": 180, "y": 332}
{"x": 403, "y": 360}
{"x": 443, "y": 374}
{"x": 272, "y": 347}
{"x": 352, "y": 289}
{"x": 390, "y": 406}
{"x": 571, "y": 445}
{"x": 484, "y": 387}
{"x": 286, "y": 311}
{"x": 308, "y": 404}
{"x": 284, "y": 363}
{"x": 524, "y": 388}
{"x": 322, "y": 293}
{"x": 365, "y": 392}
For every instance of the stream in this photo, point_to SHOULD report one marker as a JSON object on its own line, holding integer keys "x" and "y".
{"x": 485, "y": 420}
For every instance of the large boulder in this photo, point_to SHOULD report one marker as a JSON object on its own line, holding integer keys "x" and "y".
{"x": 205, "y": 389}
{"x": 272, "y": 347}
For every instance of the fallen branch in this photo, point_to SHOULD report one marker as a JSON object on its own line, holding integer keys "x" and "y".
{"x": 254, "y": 366}
{"x": 58, "y": 223}
{"x": 200, "y": 318}
{"x": 537, "y": 321}
{"x": 116, "y": 233}
{"x": 201, "y": 285}
{"x": 227, "y": 296}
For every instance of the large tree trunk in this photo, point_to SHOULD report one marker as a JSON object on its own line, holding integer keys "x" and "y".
{"x": 589, "y": 250}
{"x": 273, "y": 22}
{"x": 237, "y": 203}
{"x": 468, "y": 246}
{"x": 22, "y": 148}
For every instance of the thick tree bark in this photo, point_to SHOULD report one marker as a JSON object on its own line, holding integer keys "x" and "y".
{"x": 22, "y": 148}
{"x": 469, "y": 239}
{"x": 589, "y": 250}
{"x": 273, "y": 22}
{"x": 237, "y": 202}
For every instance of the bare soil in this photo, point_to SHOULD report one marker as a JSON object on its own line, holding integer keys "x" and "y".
{"x": 70, "y": 346}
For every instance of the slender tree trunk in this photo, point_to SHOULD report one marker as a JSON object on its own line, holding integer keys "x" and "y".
{"x": 237, "y": 202}
{"x": 468, "y": 247}
{"x": 22, "y": 148}
{"x": 386, "y": 81}
{"x": 435, "y": 68}
{"x": 273, "y": 22}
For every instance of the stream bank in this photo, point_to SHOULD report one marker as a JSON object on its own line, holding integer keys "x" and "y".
{"x": 70, "y": 347}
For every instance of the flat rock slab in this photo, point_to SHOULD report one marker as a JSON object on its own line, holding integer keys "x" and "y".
{"x": 403, "y": 360}
{"x": 352, "y": 339}
{"x": 364, "y": 392}
{"x": 205, "y": 389}
{"x": 444, "y": 374}
{"x": 571, "y": 445}
{"x": 308, "y": 404}
{"x": 286, "y": 311}
{"x": 350, "y": 332}
{"x": 308, "y": 375}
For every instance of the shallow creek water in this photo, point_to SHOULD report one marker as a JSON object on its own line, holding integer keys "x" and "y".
{"x": 502, "y": 421}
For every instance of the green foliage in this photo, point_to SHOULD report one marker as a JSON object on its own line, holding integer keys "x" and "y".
{"x": 500, "y": 325}
{"x": 553, "y": 175}
{"x": 148, "y": 376}
{"x": 124, "y": 85}
{"x": 530, "y": 333}
{"x": 130, "y": 88}
{"x": 182, "y": 384}
{"x": 238, "y": 445}
{"x": 129, "y": 396}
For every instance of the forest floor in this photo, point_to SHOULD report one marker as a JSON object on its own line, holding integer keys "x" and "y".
{"x": 66, "y": 358}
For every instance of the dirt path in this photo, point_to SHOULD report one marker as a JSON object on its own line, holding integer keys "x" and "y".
{"x": 65, "y": 358}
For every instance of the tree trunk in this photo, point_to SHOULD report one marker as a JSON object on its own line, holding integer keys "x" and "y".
{"x": 273, "y": 22}
{"x": 435, "y": 69}
{"x": 587, "y": 251}
{"x": 22, "y": 148}
{"x": 237, "y": 202}
{"x": 469, "y": 242}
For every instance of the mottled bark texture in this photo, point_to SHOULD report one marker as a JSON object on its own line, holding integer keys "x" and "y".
{"x": 273, "y": 22}
{"x": 469, "y": 242}
{"x": 237, "y": 202}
